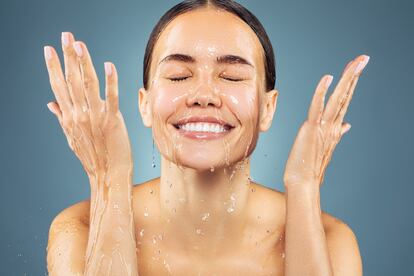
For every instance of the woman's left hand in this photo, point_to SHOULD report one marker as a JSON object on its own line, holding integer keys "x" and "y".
{"x": 323, "y": 129}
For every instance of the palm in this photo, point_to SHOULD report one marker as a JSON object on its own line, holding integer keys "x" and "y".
{"x": 322, "y": 131}
{"x": 94, "y": 128}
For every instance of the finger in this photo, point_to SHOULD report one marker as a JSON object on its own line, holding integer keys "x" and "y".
{"x": 339, "y": 95}
{"x": 345, "y": 105}
{"x": 318, "y": 100}
{"x": 111, "y": 91}
{"x": 54, "y": 108}
{"x": 73, "y": 74}
{"x": 347, "y": 66}
{"x": 345, "y": 128}
{"x": 89, "y": 77}
{"x": 57, "y": 80}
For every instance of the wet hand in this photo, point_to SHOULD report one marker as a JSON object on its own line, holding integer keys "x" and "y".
{"x": 94, "y": 128}
{"x": 323, "y": 129}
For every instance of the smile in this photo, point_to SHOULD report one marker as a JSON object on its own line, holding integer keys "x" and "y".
{"x": 203, "y": 130}
{"x": 203, "y": 127}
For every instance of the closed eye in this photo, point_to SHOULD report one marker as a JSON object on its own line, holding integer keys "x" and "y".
{"x": 178, "y": 79}
{"x": 184, "y": 78}
{"x": 230, "y": 79}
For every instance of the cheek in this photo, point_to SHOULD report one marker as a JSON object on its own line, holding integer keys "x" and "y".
{"x": 243, "y": 102}
{"x": 165, "y": 101}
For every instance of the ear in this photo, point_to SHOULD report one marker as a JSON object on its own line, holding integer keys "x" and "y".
{"x": 144, "y": 105}
{"x": 268, "y": 109}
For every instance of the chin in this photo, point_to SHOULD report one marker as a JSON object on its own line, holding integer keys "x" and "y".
{"x": 202, "y": 162}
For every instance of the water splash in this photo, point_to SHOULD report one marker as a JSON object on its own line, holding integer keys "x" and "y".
{"x": 205, "y": 216}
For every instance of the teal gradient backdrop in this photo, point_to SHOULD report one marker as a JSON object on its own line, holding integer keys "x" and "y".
{"x": 368, "y": 183}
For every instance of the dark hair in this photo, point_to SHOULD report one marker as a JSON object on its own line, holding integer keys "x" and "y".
{"x": 227, "y": 5}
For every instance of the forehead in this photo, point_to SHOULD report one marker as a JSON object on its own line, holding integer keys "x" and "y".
{"x": 207, "y": 33}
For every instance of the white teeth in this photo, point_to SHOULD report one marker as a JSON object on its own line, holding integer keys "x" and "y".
{"x": 206, "y": 127}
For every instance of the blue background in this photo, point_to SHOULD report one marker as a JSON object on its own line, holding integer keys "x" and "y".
{"x": 368, "y": 183}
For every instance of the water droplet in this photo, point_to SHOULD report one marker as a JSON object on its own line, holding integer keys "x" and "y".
{"x": 283, "y": 254}
{"x": 253, "y": 189}
{"x": 151, "y": 191}
{"x": 199, "y": 232}
{"x": 141, "y": 233}
{"x": 146, "y": 214}
{"x": 154, "y": 240}
{"x": 230, "y": 210}
{"x": 205, "y": 216}
{"x": 211, "y": 169}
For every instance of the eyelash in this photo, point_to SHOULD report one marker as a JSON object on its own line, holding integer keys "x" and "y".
{"x": 184, "y": 78}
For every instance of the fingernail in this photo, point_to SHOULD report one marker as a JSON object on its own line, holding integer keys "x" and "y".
{"x": 65, "y": 39}
{"x": 361, "y": 64}
{"x": 78, "y": 48}
{"x": 328, "y": 80}
{"x": 48, "y": 52}
{"x": 108, "y": 68}
{"x": 49, "y": 105}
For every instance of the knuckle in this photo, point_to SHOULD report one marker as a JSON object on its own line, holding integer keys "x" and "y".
{"x": 70, "y": 77}
{"x": 67, "y": 122}
{"x": 89, "y": 82}
{"x": 81, "y": 118}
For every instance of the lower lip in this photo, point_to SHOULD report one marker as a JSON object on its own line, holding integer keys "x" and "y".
{"x": 201, "y": 135}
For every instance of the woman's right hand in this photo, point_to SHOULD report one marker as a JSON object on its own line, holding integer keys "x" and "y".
{"x": 94, "y": 128}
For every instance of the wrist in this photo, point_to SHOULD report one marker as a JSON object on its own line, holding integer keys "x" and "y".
{"x": 306, "y": 187}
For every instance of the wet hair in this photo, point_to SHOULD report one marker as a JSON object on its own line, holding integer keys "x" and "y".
{"x": 227, "y": 5}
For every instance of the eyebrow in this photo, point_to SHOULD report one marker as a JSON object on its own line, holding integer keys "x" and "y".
{"x": 226, "y": 59}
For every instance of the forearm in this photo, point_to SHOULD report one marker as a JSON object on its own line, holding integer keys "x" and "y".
{"x": 111, "y": 246}
{"x": 306, "y": 247}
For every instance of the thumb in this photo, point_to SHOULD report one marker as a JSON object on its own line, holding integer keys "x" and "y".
{"x": 345, "y": 128}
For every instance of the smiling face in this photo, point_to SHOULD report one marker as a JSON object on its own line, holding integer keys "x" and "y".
{"x": 207, "y": 64}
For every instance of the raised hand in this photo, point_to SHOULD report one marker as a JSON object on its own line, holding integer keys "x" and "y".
{"x": 94, "y": 128}
{"x": 323, "y": 129}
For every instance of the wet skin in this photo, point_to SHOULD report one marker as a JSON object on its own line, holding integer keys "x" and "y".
{"x": 203, "y": 216}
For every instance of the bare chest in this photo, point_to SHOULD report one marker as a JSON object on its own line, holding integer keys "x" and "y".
{"x": 259, "y": 257}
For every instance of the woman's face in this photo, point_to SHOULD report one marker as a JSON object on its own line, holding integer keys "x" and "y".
{"x": 201, "y": 81}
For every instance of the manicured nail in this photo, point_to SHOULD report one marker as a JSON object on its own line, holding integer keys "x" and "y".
{"x": 65, "y": 38}
{"x": 361, "y": 64}
{"x": 49, "y": 105}
{"x": 48, "y": 52}
{"x": 78, "y": 48}
{"x": 108, "y": 68}
{"x": 328, "y": 80}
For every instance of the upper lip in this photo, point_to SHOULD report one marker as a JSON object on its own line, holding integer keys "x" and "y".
{"x": 206, "y": 119}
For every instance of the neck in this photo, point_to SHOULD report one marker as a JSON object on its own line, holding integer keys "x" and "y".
{"x": 204, "y": 207}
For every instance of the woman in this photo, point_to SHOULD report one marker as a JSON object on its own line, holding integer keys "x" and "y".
{"x": 208, "y": 91}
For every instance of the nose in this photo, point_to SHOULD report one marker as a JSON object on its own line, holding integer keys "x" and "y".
{"x": 204, "y": 96}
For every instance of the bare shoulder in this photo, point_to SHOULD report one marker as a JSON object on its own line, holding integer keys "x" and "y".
{"x": 78, "y": 212}
{"x": 266, "y": 199}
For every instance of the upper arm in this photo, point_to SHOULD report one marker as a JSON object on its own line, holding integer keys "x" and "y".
{"x": 343, "y": 250}
{"x": 68, "y": 237}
